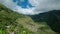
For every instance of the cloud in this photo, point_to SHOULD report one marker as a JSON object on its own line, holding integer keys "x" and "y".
{"x": 46, "y": 4}
{"x": 15, "y": 7}
{"x": 40, "y": 6}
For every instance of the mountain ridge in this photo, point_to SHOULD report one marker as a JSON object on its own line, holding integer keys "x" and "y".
{"x": 51, "y": 17}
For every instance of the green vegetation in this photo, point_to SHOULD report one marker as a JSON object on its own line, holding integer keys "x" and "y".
{"x": 13, "y": 22}
{"x": 52, "y": 18}
{"x": 8, "y": 23}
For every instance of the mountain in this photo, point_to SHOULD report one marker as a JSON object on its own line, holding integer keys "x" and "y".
{"x": 52, "y": 18}
{"x": 40, "y": 17}
{"x": 10, "y": 22}
{"x": 13, "y": 22}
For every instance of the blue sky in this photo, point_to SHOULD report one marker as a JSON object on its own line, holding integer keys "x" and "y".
{"x": 32, "y": 7}
{"x": 23, "y": 3}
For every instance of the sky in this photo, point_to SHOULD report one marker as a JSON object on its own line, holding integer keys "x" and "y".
{"x": 23, "y": 3}
{"x": 32, "y": 7}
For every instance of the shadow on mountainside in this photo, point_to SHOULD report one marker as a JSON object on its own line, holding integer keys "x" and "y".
{"x": 52, "y": 18}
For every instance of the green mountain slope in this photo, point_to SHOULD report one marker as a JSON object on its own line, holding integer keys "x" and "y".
{"x": 9, "y": 24}
{"x": 52, "y": 18}
{"x": 13, "y": 22}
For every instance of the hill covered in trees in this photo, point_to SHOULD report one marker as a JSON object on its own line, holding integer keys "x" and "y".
{"x": 52, "y": 18}
{"x": 13, "y": 22}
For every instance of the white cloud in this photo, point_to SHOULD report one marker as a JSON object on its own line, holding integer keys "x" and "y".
{"x": 46, "y": 4}
{"x": 40, "y": 6}
{"x": 15, "y": 7}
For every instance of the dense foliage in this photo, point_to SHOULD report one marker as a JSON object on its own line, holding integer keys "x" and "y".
{"x": 52, "y": 18}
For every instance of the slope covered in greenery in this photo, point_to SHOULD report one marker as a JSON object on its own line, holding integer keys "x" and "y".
{"x": 9, "y": 24}
{"x": 52, "y": 18}
{"x": 13, "y": 22}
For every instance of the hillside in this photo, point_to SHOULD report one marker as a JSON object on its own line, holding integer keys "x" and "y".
{"x": 13, "y": 22}
{"x": 52, "y": 18}
{"x": 9, "y": 24}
